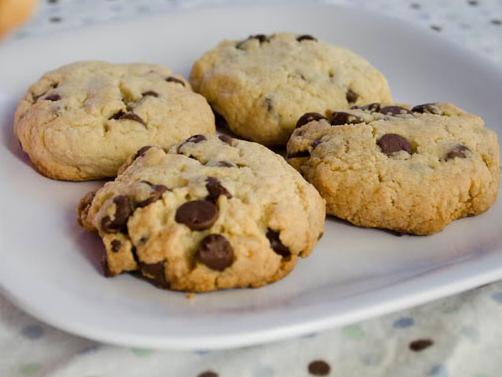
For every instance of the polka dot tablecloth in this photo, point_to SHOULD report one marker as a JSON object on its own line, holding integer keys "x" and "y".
{"x": 454, "y": 337}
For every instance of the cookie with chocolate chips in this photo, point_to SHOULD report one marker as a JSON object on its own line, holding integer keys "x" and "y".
{"x": 83, "y": 120}
{"x": 262, "y": 84}
{"x": 411, "y": 170}
{"x": 212, "y": 212}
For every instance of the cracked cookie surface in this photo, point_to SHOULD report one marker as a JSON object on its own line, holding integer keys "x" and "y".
{"x": 261, "y": 85}
{"x": 83, "y": 120}
{"x": 411, "y": 170}
{"x": 211, "y": 213}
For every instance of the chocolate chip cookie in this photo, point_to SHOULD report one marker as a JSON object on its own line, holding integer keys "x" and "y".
{"x": 83, "y": 120}
{"x": 213, "y": 212}
{"x": 411, "y": 170}
{"x": 262, "y": 84}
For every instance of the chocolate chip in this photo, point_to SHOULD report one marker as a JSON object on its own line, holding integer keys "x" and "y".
{"x": 156, "y": 194}
{"x": 269, "y": 104}
{"x": 309, "y": 117}
{"x": 276, "y": 244}
{"x": 53, "y": 97}
{"x": 129, "y": 116}
{"x": 116, "y": 245}
{"x": 225, "y": 164}
{"x": 226, "y": 139}
{"x": 420, "y": 344}
{"x": 174, "y": 79}
{"x": 298, "y": 154}
{"x": 215, "y": 189}
{"x": 319, "y": 368}
{"x": 155, "y": 272}
{"x": 123, "y": 209}
{"x": 150, "y": 93}
{"x": 394, "y": 110}
{"x": 429, "y": 108}
{"x": 339, "y": 118}
{"x": 351, "y": 96}
{"x": 306, "y": 37}
{"x": 215, "y": 252}
{"x": 372, "y": 107}
{"x": 142, "y": 151}
{"x": 196, "y": 139}
{"x": 192, "y": 139}
{"x": 197, "y": 214}
{"x": 392, "y": 143}
{"x": 261, "y": 37}
{"x": 457, "y": 151}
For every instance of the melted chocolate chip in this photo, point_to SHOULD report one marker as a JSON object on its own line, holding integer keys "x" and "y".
{"x": 150, "y": 93}
{"x": 175, "y": 80}
{"x": 197, "y": 214}
{"x": 156, "y": 194}
{"x": 392, "y": 143}
{"x": 426, "y": 108}
{"x": 192, "y": 139}
{"x": 458, "y": 151}
{"x": 226, "y": 139}
{"x": 116, "y": 245}
{"x": 351, "y": 96}
{"x": 196, "y": 139}
{"x": 123, "y": 209}
{"x": 420, "y": 344}
{"x": 372, "y": 107}
{"x": 309, "y": 117}
{"x": 155, "y": 272}
{"x": 298, "y": 154}
{"x": 394, "y": 110}
{"x": 215, "y": 252}
{"x": 121, "y": 115}
{"x": 215, "y": 189}
{"x": 53, "y": 97}
{"x": 319, "y": 368}
{"x": 142, "y": 151}
{"x": 339, "y": 118}
{"x": 276, "y": 244}
{"x": 306, "y": 37}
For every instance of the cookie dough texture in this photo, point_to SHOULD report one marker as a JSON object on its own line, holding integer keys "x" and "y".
{"x": 408, "y": 171}
{"x": 13, "y": 13}
{"x": 261, "y": 85}
{"x": 83, "y": 120}
{"x": 211, "y": 213}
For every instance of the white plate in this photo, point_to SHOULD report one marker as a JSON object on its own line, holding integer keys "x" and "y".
{"x": 48, "y": 264}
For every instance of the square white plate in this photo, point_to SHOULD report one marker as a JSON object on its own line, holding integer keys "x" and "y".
{"x": 49, "y": 265}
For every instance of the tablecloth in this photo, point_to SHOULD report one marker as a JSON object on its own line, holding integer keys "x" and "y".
{"x": 457, "y": 336}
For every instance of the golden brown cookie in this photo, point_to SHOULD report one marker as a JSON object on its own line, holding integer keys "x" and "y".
{"x": 211, "y": 213}
{"x": 409, "y": 170}
{"x": 83, "y": 120}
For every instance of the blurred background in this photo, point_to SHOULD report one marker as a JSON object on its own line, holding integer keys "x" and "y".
{"x": 476, "y": 24}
